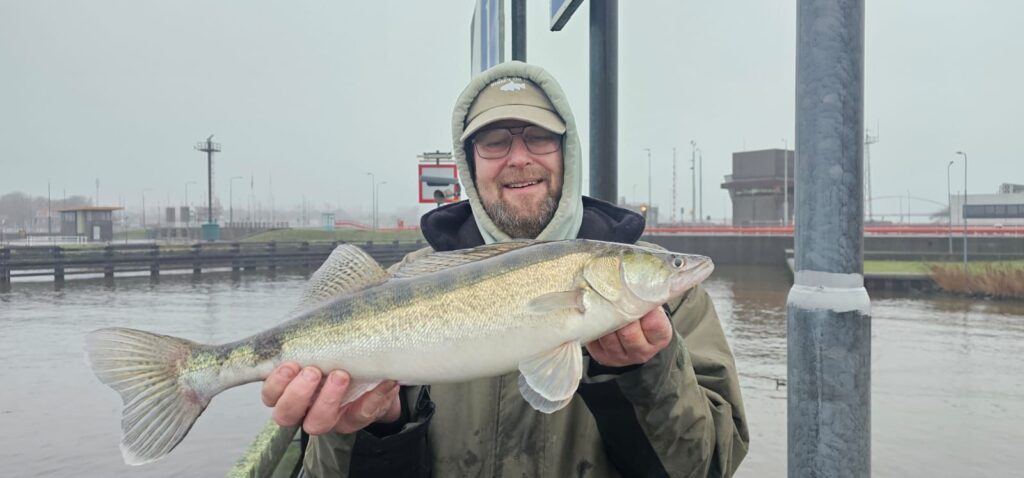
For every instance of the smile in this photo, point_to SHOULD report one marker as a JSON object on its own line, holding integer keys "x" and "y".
{"x": 523, "y": 184}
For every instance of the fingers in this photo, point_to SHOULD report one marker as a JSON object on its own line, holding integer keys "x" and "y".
{"x": 380, "y": 404}
{"x": 297, "y": 397}
{"x": 274, "y": 385}
{"x": 323, "y": 415}
{"x": 634, "y": 343}
{"x": 657, "y": 329}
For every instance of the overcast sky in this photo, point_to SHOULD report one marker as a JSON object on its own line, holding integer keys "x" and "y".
{"x": 316, "y": 94}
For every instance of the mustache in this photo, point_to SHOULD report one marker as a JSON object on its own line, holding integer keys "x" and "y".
{"x": 510, "y": 176}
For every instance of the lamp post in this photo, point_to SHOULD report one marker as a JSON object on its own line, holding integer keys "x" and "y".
{"x": 373, "y": 201}
{"x": 949, "y": 206}
{"x": 188, "y": 209}
{"x": 693, "y": 181}
{"x": 649, "y": 194}
{"x": 963, "y": 209}
{"x": 144, "y": 208}
{"x": 700, "y": 184}
{"x": 231, "y": 199}
{"x": 376, "y": 200}
{"x": 785, "y": 182}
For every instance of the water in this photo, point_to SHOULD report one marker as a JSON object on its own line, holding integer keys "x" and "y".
{"x": 947, "y": 395}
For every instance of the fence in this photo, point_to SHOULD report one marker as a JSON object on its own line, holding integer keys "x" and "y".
{"x": 59, "y": 262}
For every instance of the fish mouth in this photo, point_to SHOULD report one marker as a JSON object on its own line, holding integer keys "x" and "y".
{"x": 695, "y": 270}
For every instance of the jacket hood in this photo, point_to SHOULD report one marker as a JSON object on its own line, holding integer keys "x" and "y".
{"x": 565, "y": 224}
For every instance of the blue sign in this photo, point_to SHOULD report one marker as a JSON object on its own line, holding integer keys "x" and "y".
{"x": 561, "y": 11}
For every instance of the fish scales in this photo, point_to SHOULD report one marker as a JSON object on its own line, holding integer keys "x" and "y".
{"x": 457, "y": 316}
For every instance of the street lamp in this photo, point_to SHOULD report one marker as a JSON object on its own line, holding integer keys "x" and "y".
{"x": 649, "y": 194}
{"x": 376, "y": 200}
{"x": 231, "y": 200}
{"x": 785, "y": 182}
{"x": 144, "y": 208}
{"x": 700, "y": 182}
{"x": 693, "y": 181}
{"x": 963, "y": 209}
{"x": 373, "y": 201}
{"x": 949, "y": 205}
{"x": 188, "y": 209}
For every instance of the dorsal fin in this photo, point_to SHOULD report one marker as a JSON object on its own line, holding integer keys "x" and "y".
{"x": 348, "y": 269}
{"x": 438, "y": 261}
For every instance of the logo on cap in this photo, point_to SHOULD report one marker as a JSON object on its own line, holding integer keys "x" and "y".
{"x": 513, "y": 85}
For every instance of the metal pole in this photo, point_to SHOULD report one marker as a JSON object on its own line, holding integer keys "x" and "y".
{"x": 373, "y": 200}
{"x": 649, "y": 194}
{"x": 700, "y": 182}
{"x": 963, "y": 209}
{"x": 519, "y": 30}
{"x": 604, "y": 99}
{"x": 828, "y": 310}
{"x": 673, "y": 185}
{"x": 949, "y": 206}
{"x": 785, "y": 182}
{"x": 693, "y": 180}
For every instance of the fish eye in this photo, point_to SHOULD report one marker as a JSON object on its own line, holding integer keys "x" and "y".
{"x": 677, "y": 262}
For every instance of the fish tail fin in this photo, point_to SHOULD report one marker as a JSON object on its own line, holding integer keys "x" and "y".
{"x": 160, "y": 405}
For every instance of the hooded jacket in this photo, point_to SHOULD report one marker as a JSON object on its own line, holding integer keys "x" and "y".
{"x": 679, "y": 414}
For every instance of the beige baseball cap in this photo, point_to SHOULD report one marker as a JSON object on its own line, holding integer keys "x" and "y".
{"x": 512, "y": 98}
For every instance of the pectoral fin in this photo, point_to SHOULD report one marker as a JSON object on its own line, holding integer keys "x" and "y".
{"x": 549, "y": 381}
{"x": 555, "y": 302}
{"x": 356, "y": 389}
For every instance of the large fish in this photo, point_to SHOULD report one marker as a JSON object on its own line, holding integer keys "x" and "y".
{"x": 446, "y": 317}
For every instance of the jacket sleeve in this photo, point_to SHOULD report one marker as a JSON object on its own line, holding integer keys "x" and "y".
{"x": 681, "y": 413}
{"x": 377, "y": 450}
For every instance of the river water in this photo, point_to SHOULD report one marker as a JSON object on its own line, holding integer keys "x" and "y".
{"x": 947, "y": 373}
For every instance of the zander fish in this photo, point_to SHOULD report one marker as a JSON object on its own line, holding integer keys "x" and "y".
{"x": 444, "y": 317}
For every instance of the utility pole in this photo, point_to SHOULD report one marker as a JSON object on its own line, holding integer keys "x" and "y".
{"x": 373, "y": 201}
{"x": 209, "y": 147}
{"x": 828, "y": 313}
{"x": 868, "y": 141}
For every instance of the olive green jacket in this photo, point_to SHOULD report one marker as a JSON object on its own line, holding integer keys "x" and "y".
{"x": 680, "y": 414}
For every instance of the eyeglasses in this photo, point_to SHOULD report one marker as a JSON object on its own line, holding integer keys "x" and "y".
{"x": 496, "y": 143}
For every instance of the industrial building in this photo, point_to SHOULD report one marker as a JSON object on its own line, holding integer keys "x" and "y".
{"x": 1006, "y": 207}
{"x": 756, "y": 187}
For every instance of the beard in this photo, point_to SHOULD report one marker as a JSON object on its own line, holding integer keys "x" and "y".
{"x": 517, "y": 222}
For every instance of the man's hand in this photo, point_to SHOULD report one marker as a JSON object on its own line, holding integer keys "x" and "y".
{"x": 635, "y": 343}
{"x": 307, "y": 397}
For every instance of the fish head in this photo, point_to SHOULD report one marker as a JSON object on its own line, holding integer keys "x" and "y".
{"x": 639, "y": 278}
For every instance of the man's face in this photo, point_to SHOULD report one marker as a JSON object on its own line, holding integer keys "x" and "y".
{"x": 519, "y": 190}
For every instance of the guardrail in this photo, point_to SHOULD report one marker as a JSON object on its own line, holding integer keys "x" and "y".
{"x": 59, "y": 262}
{"x": 868, "y": 230}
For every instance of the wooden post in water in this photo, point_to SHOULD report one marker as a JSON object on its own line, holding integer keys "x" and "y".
{"x": 108, "y": 266}
{"x": 197, "y": 267}
{"x": 5, "y": 269}
{"x": 236, "y": 265}
{"x": 58, "y": 267}
{"x": 154, "y": 266}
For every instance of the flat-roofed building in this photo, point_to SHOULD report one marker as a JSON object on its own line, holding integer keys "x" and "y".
{"x": 95, "y": 223}
{"x": 756, "y": 187}
{"x": 989, "y": 209}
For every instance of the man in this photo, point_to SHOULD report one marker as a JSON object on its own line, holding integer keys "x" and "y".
{"x": 659, "y": 397}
